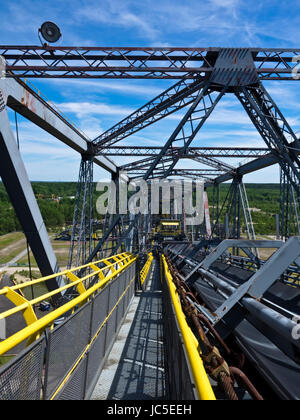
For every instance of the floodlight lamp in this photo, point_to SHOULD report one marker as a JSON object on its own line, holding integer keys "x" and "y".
{"x": 50, "y": 32}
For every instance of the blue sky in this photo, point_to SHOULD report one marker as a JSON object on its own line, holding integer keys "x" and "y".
{"x": 96, "y": 105}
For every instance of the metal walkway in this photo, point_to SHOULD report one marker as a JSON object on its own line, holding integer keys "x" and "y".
{"x": 135, "y": 368}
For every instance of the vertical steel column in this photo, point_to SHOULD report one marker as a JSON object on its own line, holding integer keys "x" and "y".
{"x": 273, "y": 128}
{"x": 82, "y": 229}
{"x": 19, "y": 189}
{"x": 235, "y": 204}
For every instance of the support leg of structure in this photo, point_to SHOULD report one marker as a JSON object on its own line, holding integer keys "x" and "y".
{"x": 82, "y": 229}
{"x": 19, "y": 189}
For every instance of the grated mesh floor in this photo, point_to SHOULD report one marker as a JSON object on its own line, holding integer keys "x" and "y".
{"x": 140, "y": 373}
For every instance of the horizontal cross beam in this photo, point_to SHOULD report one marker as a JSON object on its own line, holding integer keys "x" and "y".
{"x": 137, "y": 62}
{"x": 221, "y": 152}
{"x": 23, "y": 99}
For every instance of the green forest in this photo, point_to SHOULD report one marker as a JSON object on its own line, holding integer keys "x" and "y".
{"x": 264, "y": 202}
{"x": 56, "y": 202}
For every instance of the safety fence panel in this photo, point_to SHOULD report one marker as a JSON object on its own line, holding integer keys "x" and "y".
{"x": 74, "y": 389}
{"x": 65, "y": 344}
{"x": 100, "y": 320}
{"x": 65, "y": 363}
{"x": 21, "y": 379}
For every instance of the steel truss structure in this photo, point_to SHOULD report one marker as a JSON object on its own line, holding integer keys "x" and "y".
{"x": 204, "y": 76}
{"x": 245, "y": 307}
{"x": 214, "y": 152}
{"x": 82, "y": 227}
{"x": 144, "y": 63}
{"x": 289, "y": 207}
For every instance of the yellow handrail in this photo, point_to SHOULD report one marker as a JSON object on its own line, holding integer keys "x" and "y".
{"x": 88, "y": 346}
{"x": 146, "y": 268}
{"x": 112, "y": 268}
{"x": 203, "y": 386}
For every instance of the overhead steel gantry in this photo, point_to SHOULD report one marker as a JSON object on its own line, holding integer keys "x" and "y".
{"x": 215, "y": 152}
{"x": 204, "y": 76}
{"x": 140, "y": 62}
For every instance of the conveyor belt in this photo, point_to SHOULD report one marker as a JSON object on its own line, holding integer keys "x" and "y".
{"x": 283, "y": 295}
{"x": 282, "y": 373}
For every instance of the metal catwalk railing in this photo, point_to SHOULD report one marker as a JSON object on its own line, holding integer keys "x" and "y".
{"x": 188, "y": 379}
{"x": 66, "y": 348}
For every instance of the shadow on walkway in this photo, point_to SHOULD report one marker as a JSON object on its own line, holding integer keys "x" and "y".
{"x": 140, "y": 374}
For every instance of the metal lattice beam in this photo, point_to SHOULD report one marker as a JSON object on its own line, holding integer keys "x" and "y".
{"x": 187, "y": 130}
{"x": 215, "y": 152}
{"x": 289, "y": 206}
{"x": 145, "y": 163}
{"x": 139, "y": 62}
{"x": 205, "y": 75}
{"x": 191, "y": 173}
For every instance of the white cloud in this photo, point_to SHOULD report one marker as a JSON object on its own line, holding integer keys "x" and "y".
{"x": 81, "y": 109}
{"x": 119, "y": 16}
{"x": 131, "y": 22}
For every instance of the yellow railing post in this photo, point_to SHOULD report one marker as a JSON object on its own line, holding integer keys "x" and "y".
{"x": 146, "y": 268}
{"x": 36, "y": 326}
{"x": 20, "y": 301}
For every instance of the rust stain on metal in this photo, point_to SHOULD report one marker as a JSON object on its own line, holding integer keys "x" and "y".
{"x": 29, "y": 101}
{"x": 32, "y": 104}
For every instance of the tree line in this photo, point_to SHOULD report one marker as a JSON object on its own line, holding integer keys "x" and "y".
{"x": 55, "y": 200}
{"x": 264, "y": 202}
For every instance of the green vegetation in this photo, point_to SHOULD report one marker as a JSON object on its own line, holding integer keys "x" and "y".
{"x": 10, "y": 239}
{"x": 55, "y": 199}
{"x": 5, "y": 359}
{"x": 30, "y": 292}
{"x": 11, "y": 245}
{"x": 8, "y": 219}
